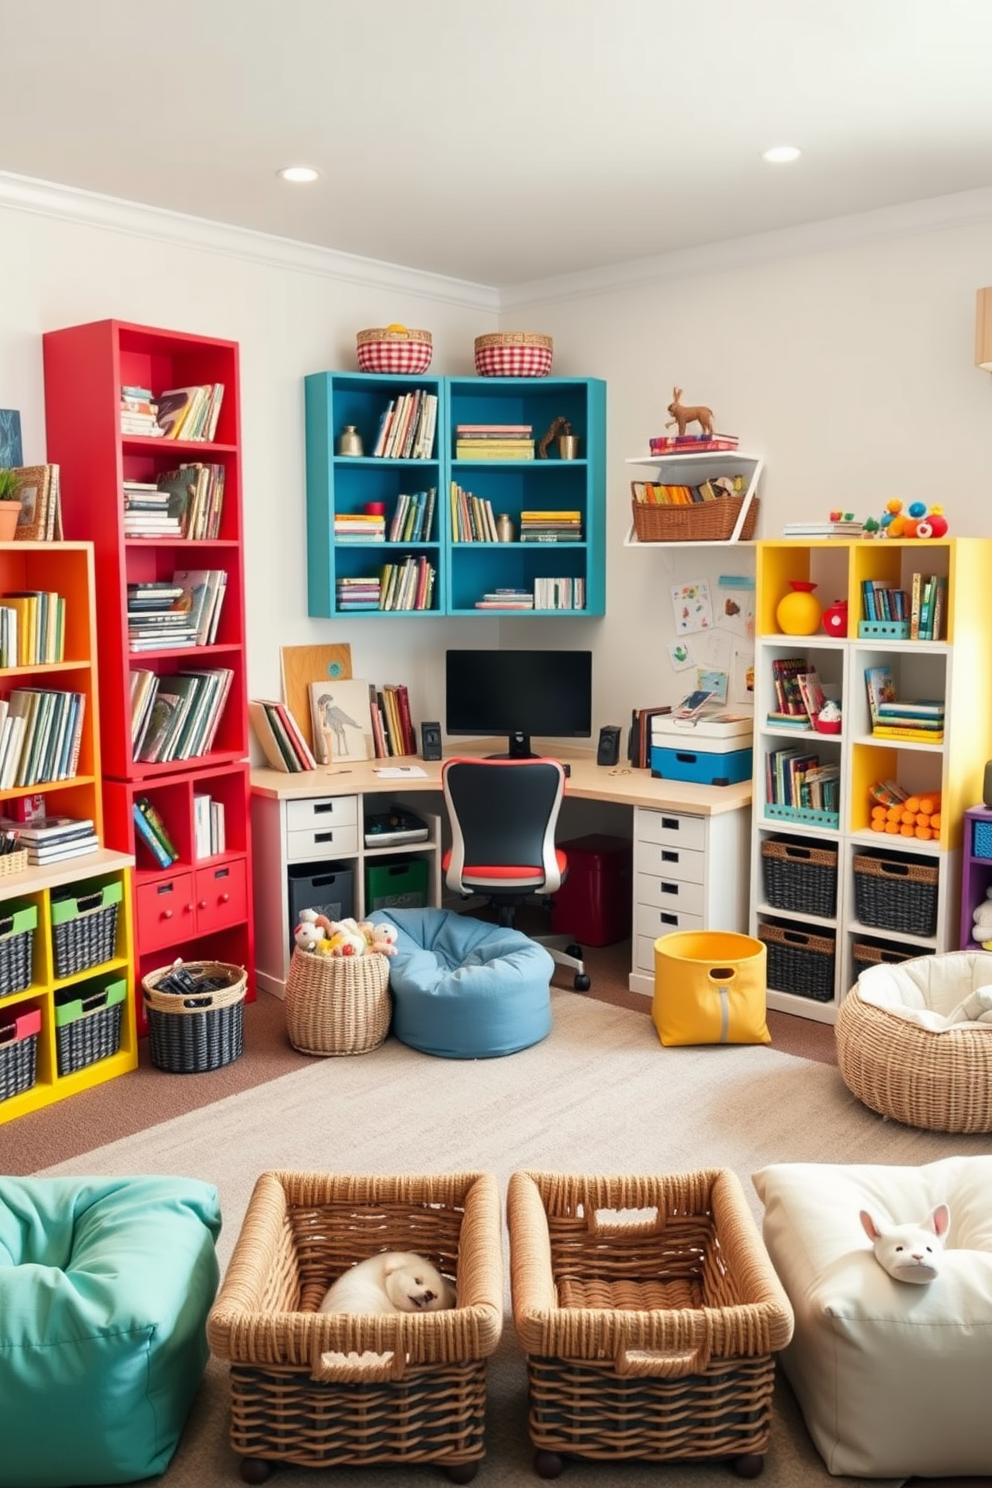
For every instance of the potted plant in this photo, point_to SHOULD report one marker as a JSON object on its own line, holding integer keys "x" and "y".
{"x": 10, "y": 503}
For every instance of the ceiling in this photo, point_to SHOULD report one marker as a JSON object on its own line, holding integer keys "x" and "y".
{"x": 502, "y": 142}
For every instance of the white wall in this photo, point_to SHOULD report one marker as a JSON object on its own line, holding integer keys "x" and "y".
{"x": 849, "y": 369}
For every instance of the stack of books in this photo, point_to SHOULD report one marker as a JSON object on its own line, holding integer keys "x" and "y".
{"x": 408, "y": 585}
{"x": 196, "y": 498}
{"x": 687, "y": 444}
{"x": 494, "y": 442}
{"x": 32, "y": 627}
{"x": 40, "y": 735}
{"x": 659, "y": 493}
{"x": 146, "y": 511}
{"x": 413, "y": 519}
{"x": 209, "y": 826}
{"x": 49, "y": 839}
{"x": 550, "y": 526}
{"x": 190, "y": 412}
{"x": 560, "y": 594}
{"x": 359, "y": 527}
{"x": 181, "y": 717}
{"x": 392, "y": 722}
{"x": 506, "y": 599}
{"x": 279, "y": 734}
{"x": 407, "y": 427}
{"x": 362, "y": 592}
{"x": 918, "y": 721}
{"x": 154, "y": 620}
{"x": 472, "y": 517}
{"x": 201, "y": 600}
{"x": 840, "y": 529}
{"x": 139, "y": 412}
{"x": 927, "y": 604}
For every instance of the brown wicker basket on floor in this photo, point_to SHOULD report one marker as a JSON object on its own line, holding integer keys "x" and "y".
{"x": 940, "y": 1080}
{"x": 649, "y": 1334}
{"x": 300, "y": 1393}
{"x": 705, "y": 521}
{"x": 337, "y": 1004}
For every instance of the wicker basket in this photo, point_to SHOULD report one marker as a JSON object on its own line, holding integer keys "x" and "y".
{"x": 394, "y": 349}
{"x": 896, "y": 893}
{"x": 88, "y": 1028}
{"x": 337, "y": 1004}
{"x": 799, "y": 963}
{"x": 17, "y": 929}
{"x": 19, "y": 1051}
{"x": 867, "y": 954}
{"x": 13, "y": 862}
{"x": 647, "y": 1336}
{"x": 190, "y": 1035}
{"x": 316, "y": 1389}
{"x": 514, "y": 354}
{"x": 799, "y": 877}
{"x": 706, "y": 521}
{"x": 84, "y": 928}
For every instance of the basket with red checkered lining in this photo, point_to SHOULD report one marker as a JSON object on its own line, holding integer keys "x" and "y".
{"x": 394, "y": 349}
{"x": 513, "y": 354}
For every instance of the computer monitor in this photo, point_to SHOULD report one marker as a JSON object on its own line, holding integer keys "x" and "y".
{"x": 520, "y": 694}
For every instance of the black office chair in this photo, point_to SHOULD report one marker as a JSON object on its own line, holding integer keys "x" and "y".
{"x": 503, "y": 815}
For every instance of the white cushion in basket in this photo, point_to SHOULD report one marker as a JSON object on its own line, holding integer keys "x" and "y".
{"x": 927, "y": 988}
{"x": 892, "y": 1379}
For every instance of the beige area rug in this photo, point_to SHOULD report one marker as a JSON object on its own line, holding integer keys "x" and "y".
{"x": 600, "y": 1095}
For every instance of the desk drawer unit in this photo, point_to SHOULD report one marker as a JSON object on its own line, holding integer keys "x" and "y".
{"x": 689, "y": 874}
{"x": 321, "y": 828}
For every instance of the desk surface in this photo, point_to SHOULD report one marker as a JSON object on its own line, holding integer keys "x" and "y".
{"x": 588, "y": 781}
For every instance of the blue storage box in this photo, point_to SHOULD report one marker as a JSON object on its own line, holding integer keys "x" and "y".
{"x": 704, "y": 766}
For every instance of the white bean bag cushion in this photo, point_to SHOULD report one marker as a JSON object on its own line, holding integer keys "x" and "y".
{"x": 892, "y": 1379}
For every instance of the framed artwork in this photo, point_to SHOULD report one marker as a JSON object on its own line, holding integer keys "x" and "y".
{"x": 341, "y": 721}
{"x": 11, "y": 452}
{"x": 36, "y": 490}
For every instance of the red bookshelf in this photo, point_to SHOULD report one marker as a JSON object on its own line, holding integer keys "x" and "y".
{"x": 85, "y": 368}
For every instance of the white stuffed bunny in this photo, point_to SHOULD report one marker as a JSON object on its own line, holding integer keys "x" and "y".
{"x": 982, "y": 921}
{"x": 909, "y": 1252}
{"x": 310, "y": 931}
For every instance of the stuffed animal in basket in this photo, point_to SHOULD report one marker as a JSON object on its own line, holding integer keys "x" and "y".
{"x": 384, "y": 939}
{"x": 975, "y": 1009}
{"x": 909, "y": 1252}
{"x": 312, "y": 930}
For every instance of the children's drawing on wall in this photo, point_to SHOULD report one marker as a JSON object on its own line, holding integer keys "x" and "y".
{"x": 680, "y": 655}
{"x": 692, "y": 606}
{"x": 741, "y": 688}
{"x": 734, "y": 607}
{"x": 708, "y": 680}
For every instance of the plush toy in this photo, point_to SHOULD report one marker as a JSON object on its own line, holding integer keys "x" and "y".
{"x": 975, "y": 1009}
{"x": 909, "y": 1252}
{"x": 982, "y": 921}
{"x": 916, "y": 521}
{"x": 384, "y": 939}
{"x": 312, "y": 930}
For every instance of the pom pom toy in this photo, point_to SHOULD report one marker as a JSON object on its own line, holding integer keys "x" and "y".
{"x": 917, "y": 521}
{"x": 909, "y": 1252}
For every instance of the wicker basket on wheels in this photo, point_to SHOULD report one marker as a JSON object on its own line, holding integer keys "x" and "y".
{"x": 190, "y": 1034}
{"x": 649, "y": 1333}
{"x": 337, "y": 1004}
{"x": 325, "y": 1390}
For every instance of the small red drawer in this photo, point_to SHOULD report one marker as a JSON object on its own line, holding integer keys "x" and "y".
{"x": 221, "y": 895}
{"x": 164, "y": 911}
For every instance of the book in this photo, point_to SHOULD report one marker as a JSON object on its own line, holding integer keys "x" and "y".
{"x": 932, "y": 707}
{"x": 201, "y": 593}
{"x": 339, "y": 714}
{"x": 48, "y": 829}
{"x": 909, "y": 735}
{"x": 812, "y": 693}
{"x": 880, "y": 689}
{"x": 38, "y": 857}
{"x": 151, "y": 814}
{"x": 145, "y": 834}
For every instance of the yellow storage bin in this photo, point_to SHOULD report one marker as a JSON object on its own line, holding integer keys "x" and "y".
{"x": 710, "y": 988}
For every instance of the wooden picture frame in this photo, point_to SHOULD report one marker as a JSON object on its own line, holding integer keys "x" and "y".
{"x": 35, "y": 487}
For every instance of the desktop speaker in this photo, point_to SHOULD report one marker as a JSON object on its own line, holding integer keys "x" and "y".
{"x": 430, "y": 741}
{"x": 608, "y": 752}
{"x": 987, "y": 791}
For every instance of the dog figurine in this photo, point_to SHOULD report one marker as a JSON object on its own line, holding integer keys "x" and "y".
{"x": 394, "y": 1281}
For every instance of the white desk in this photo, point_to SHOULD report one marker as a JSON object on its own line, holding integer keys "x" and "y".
{"x": 690, "y": 844}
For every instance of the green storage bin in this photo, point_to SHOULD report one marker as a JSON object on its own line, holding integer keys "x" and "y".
{"x": 84, "y": 928}
{"x": 88, "y": 1023}
{"x": 396, "y": 885}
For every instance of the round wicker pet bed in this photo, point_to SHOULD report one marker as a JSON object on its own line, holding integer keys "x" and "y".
{"x": 896, "y": 1054}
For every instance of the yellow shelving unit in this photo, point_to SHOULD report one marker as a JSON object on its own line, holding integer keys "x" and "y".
{"x": 954, "y": 668}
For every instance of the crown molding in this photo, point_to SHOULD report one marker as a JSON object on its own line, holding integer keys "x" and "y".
{"x": 963, "y": 209}
{"x": 68, "y": 204}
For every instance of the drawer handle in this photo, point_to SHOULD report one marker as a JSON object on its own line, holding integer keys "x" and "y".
{"x": 669, "y": 888}
{"x": 667, "y": 856}
{"x": 203, "y": 904}
{"x": 167, "y": 914}
{"x": 669, "y": 919}
{"x": 670, "y": 823}
{"x": 224, "y": 898}
{"x": 323, "y": 808}
{"x": 323, "y": 836}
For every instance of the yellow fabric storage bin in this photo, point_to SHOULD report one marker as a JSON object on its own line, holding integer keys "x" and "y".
{"x": 710, "y": 988}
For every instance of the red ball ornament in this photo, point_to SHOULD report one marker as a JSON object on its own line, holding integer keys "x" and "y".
{"x": 937, "y": 525}
{"x": 834, "y": 619}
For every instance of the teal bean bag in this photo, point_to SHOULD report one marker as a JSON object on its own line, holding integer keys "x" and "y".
{"x": 466, "y": 989}
{"x": 105, "y": 1286}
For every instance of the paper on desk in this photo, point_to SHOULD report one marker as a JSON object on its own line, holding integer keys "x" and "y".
{"x": 400, "y": 772}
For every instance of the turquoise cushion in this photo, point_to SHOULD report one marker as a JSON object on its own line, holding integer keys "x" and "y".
{"x": 105, "y": 1285}
{"x": 465, "y": 989}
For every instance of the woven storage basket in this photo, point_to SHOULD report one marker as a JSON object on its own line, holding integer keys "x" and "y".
{"x": 84, "y": 928}
{"x": 17, "y": 929}
{"x": 13, "y": 862}
{"x": 337, "y": 1004}
{"x": 88, "y": 1028}
{"x": 896, "y": 893}
{"x": 866, "y": 955}
{"x": 940, "y": 1080}
{"x": 190, "y": 1035}
{"x": 514, "y": 354}
{"x": 299, "y": 1393}
{"x": 706, "y": 521}
{"x": 18, "y": 1051}
{"x": 800, "y": 877}
{"x": 799, "y": 963}
{"x": 394, "y": 349}
{"x": 648, "y": 1335}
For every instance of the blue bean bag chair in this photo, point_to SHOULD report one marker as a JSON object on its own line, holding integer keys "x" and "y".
{"x": 105, "y": 1286}
{"x": 464, "y": 989}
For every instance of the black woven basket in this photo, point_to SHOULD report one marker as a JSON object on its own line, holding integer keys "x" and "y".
{"x": 194, "y": 1034}
{"x": 96, "y": 1035}
{"x": 800, "y": 877}
{"x": 89, "y": 936}
{"x": 15, "y": 962}
{"x": 18, "y": 1066}
{"x": 799, "y": 963}
{"x": 866, "y": 955}
{"x": 896, "y": 893}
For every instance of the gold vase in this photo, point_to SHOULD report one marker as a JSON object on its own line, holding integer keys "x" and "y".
{"x": 799, "y": 611}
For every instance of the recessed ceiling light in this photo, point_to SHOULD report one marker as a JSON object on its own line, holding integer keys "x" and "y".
{"x": 781, "y": 154}
{"x": 298, "y": 173}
